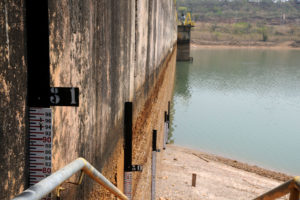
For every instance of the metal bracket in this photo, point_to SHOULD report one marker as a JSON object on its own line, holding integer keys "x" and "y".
{"x": 79, "y": 180}
{"x": 58, "y": 189}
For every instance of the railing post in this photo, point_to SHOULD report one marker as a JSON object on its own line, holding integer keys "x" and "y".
{"x": 294, "y": 194}
{"x": 291, "y": 187}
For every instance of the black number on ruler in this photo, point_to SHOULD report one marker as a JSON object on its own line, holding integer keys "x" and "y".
{"x": 46, "y": 170}
{"x": 47, "y": 127}
{"x": 47, "y": 151}
{"x": 47, "y": 157}
{"x": 46, "y": 139}
{"x": 48, "y": 133}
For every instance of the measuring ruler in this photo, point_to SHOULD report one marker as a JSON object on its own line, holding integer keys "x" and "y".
{"x": 153, "y": 175}
{"x": 40, "y": 144}
{"x": 128, "y": 185}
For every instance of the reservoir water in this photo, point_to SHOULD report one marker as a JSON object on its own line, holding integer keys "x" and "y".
{"x": 240, "y": 103}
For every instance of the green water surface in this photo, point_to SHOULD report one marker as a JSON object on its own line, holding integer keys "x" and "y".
{"x": 241, "y": 103}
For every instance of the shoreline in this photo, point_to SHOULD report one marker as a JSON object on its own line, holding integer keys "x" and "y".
{"x": 256, "y": 45}
{"x": 218, "y": 178}
{"x": 272, "y": 174}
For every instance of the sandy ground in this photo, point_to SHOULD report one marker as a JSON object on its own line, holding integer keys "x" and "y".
{"x": 216, "y": 177}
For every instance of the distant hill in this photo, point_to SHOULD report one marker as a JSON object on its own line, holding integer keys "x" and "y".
{"x": 266, "y": 11}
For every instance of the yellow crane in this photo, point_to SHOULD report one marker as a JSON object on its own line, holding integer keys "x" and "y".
{"x": 184, "y": 18}
{"x": 188, "y": 20}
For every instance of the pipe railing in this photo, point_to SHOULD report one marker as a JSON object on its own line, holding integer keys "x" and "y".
{"x": 291, "y": 186}
{"x": 53, "y": 181}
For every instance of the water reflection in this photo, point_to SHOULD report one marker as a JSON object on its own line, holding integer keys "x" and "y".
{"x": 182, "y": 87}
{"x": 241, "y": 103}
{"x": 181, "y": 90}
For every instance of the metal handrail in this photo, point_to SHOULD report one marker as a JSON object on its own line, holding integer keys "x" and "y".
{"x": 48, "y": 184}
{"x": 291, "y": 186}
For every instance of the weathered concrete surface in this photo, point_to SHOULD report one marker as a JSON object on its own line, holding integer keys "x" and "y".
{"x": 113, "y": 51}
{"x": 13, "y": 77}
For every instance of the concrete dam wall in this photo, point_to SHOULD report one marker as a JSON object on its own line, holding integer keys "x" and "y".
{"x": 114, "y": 52}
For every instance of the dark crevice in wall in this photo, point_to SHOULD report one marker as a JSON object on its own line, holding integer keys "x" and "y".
{"x": 149, "y": 47}
{"x": 136, "y": 32}
{"x": 154, "y": 39}
{"x": 114, "y": 70}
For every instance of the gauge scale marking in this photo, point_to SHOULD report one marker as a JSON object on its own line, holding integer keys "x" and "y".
{"x": 40, "y": 144}
{"x": 128, "y": 184}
